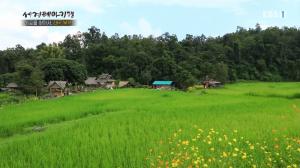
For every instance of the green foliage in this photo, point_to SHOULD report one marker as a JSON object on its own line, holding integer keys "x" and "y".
{"x": 132, "y": 81}
{"x": 7, "y": 78}
{"x": 253, "y": 54}
{"x": 62, "y": 69}
{"x": 184, "y": 78}
{"x": 221, "y": 72}
{"x": 50, "y": 51}
{"x": 30, "y": 79}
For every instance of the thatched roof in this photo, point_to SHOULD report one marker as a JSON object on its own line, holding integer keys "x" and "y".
{"x": 12, "y": 85}
{"x": 123, "y": 83}
{"x": 91, "y": 81}
{"x": 59, "y": 84}
{"x": 104, "y": 77}
{"x": 211, "y": 82}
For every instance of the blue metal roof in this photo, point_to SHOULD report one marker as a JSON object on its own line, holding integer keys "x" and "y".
{"x": 162, "y": 82}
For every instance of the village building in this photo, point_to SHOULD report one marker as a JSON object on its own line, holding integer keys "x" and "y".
{"x": 109, "y": 84}
{"x": 167, "y": 85}
{"x": 211, "y": 84}
{"x": 58, "y": 88}
{"x": 123, "y": 84}
{"x": 91, "y": 82}
{"x": 105, "y": 79}
{"x": 12, "y": 87}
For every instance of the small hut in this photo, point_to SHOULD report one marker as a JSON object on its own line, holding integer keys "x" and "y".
{"x": 106, "y": 81}
{"x": 109, "y": 84}
{"x": 167, "y": 85}
{"x": 57, "y": 88}
{"x": 211, "y": 84}
{"x": 123, "y": 84}
{"x": 12, "y": 87}
{"x": 91, "y": 82}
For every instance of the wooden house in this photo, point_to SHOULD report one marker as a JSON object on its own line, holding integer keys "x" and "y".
{"x": 123, "y": 84}
{"x": 168, "y": 85}
{"x": 12, "y": 87}
{"x": 106, "y": 81}
{"x": 58, "y": 88}
{"x": 211, "y": 84}
{"x": 91, "y": 82}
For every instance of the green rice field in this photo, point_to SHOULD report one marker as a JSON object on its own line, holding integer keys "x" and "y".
{"x": 248, "y": 124}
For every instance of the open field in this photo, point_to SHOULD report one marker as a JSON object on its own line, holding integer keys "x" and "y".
{"x": 241, "y": 125}
{"x": 6, "y": 98}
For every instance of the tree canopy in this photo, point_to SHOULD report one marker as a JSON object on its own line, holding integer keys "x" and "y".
{"x": 272, "y": 54}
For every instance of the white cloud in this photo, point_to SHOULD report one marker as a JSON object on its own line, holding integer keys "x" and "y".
{"x": 234, "y": 5}
{"x": 142, "y": 27}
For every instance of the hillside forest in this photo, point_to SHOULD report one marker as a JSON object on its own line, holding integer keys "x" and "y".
{"x": 272, "y": 54}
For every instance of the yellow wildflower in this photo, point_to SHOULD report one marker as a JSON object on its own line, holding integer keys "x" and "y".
{"x": 234, "y": 154}
{"x": 212, "y": 149}
{"x": 236, "y": 149}
{"x": 298, "y": 149}
{"x": 196, "y": 162}
{"x": 224, "y": 154}
{"x": 252, "y": 147}
{"x": 174, "y": 164}
{"x": 185, "y": 142}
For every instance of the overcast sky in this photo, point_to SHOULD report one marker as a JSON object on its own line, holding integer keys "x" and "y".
{"x": 180, "y": 17}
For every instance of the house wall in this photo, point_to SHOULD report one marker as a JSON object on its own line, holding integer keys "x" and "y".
{"x": 109, "y": 85}
{"x": 56, "y": 92}
{"x": 166, "y": 87}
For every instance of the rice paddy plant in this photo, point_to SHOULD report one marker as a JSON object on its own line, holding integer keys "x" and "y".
{"x": 225, "y": 127}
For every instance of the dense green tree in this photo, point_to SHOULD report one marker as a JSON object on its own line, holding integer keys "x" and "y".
{"x": 62, "y": 69}
{"x": 272, "y": 54}
{"x": 49, "y": 51}
{"x": 30, "y": 79}
{"x": 72, "y": 48}
{"x": 221, "y": 72}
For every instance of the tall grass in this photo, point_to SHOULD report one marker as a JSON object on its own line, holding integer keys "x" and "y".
{"x": 136, "y": 127}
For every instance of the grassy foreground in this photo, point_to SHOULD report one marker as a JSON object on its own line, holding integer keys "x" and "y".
{"x": 241, "y": 125}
